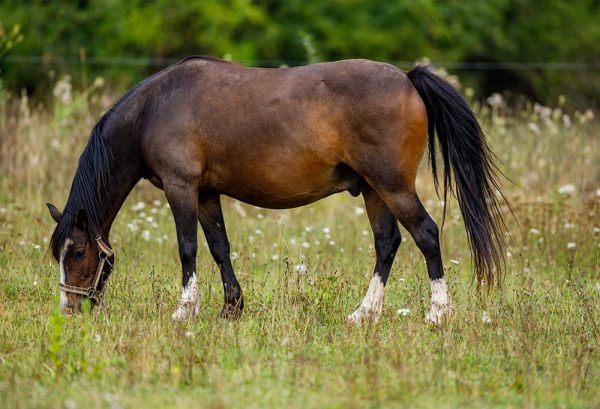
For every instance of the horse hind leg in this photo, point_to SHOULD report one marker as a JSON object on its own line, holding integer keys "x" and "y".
{"x": 410, "y": 211}
{"x": 210, "y": 216}
{"x": 387, "y": 240}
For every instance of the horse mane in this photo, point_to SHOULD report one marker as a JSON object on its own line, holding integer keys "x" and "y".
{"x": 91, "y": 182}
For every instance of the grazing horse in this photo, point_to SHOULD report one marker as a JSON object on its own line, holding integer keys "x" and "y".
{"x": 280, "y": 138}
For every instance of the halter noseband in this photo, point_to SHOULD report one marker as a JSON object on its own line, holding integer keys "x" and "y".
{"x": 104, "y": 252}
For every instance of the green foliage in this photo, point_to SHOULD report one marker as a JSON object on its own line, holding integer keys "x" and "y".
{"x": 270, "y": 32}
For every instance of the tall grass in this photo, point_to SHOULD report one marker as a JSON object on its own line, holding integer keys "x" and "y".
{"x": 533, "y": 342}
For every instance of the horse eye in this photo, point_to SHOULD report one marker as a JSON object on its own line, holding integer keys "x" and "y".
{"x": 79, "y": 254}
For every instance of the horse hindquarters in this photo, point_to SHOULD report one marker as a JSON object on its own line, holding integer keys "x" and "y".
{"x": 390, "y": 170}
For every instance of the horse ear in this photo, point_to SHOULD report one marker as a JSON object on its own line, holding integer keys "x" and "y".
{"x": 81, "y": 219}
{"x": 54, "y": 212}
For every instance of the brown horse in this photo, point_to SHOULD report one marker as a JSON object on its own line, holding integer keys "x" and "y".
{"x": 280, "y": 138}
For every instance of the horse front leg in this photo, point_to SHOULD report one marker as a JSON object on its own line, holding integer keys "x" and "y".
{"x": 183, "y": 199}
{"x": 387, "y": 240}
{"x": 210, "y": 216}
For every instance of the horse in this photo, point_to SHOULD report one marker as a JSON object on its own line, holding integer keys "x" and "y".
{"x": 281, "y": 138}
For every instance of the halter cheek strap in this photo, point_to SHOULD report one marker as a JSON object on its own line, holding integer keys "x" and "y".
{"x": 104, "y": 252}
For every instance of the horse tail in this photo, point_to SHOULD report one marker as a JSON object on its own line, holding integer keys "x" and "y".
{"x": 470, "y": 172}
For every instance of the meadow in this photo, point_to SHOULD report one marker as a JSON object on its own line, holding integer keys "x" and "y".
{"x": 533, "y": 342}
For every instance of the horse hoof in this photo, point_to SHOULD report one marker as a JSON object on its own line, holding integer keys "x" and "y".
{"x": 439, "y": 315}
{"x": 230, "y": 312}
{"x": 361, "y": 316}
{"x": 185, "y": 312}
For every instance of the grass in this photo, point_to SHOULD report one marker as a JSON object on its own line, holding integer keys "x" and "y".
{"x": 303, "y": 270}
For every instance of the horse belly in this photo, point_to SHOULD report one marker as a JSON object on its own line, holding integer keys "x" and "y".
{"x": 290, "y": 186}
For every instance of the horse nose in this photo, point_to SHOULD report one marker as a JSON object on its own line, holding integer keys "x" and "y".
{"x": 72, "y": 308}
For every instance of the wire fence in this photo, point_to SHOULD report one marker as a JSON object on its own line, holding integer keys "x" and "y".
{"x": 163, "y": 62}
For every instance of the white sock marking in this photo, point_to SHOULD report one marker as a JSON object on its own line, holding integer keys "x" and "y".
{"x": 189, "y": 305}
{"x": 441, "y": 304}
{"x": 64, "y": 302}
{"x": 371, "y": 305}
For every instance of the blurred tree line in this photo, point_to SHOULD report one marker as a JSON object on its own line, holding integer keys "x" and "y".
{"x": 293, "y": 32}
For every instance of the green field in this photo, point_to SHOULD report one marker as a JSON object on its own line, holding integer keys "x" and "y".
{"x": 532, "y": 343}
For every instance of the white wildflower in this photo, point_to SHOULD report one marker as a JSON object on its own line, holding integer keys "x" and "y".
{"x": 331, "y": 243}
{"x": 138, "y": 206}
{"x": 234, "y": 255}
{"x": 495, "y": 100}
{"x": 36, "y": 246}
{"x": 569, "y": 225}
{"x": 567, "y": 189}
{"x": 326, "y": 230}
{"x": 300, "y": 268}
{"x": 485, "y": 318}
{"x": 154, "y": 210}
{"x": 571, "y": 245}
{"x": 189, "y": 334}
{"x": 97, "y": 337}
{"x": 146, "y": 235}
{"x": 308, "y": 229}
{"x": 275, "y": 257}
{"x": 364, "y": 232}
{"x": 454, "y": 261}
{"x": 359, "y": 210}
{"x": 305, "y": 244}
{"x": 260, "y": 216}
{"x": 533, "y": 127}
{"x": 238, "y": 208}
{"x": 403, "y": 312}
{"x": 535, "y": 232}
{"x": 156, "y": 202}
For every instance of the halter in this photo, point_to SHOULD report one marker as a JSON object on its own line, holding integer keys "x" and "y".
{"x": 104, "y": 252}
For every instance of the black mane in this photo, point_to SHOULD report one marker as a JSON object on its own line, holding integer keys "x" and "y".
{"x": 90, "y": 184}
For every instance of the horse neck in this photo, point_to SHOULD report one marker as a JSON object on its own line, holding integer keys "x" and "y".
{"x": 123, "y": 181}
{"x": 109, "y": 191}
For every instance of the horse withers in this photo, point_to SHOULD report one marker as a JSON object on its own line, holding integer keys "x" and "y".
{"x": 280, "y": 138}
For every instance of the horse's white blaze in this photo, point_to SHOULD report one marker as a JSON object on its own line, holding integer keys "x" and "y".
{"x": 372, "y": 304}
{"x": 63, "y": 252}
{"x": 441, "y": 305}
{"x": 189, "y": 305}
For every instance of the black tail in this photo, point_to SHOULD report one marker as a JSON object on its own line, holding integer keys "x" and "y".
{"x": 467, "y": 158}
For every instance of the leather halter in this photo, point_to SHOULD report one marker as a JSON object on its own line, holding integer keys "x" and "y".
{"x": 104, "y": 252}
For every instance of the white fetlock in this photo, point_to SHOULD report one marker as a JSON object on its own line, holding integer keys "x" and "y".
{"x": 189, "y": 306}
{"x": 371, "y": 306}
{"x": 441, "y": 304}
